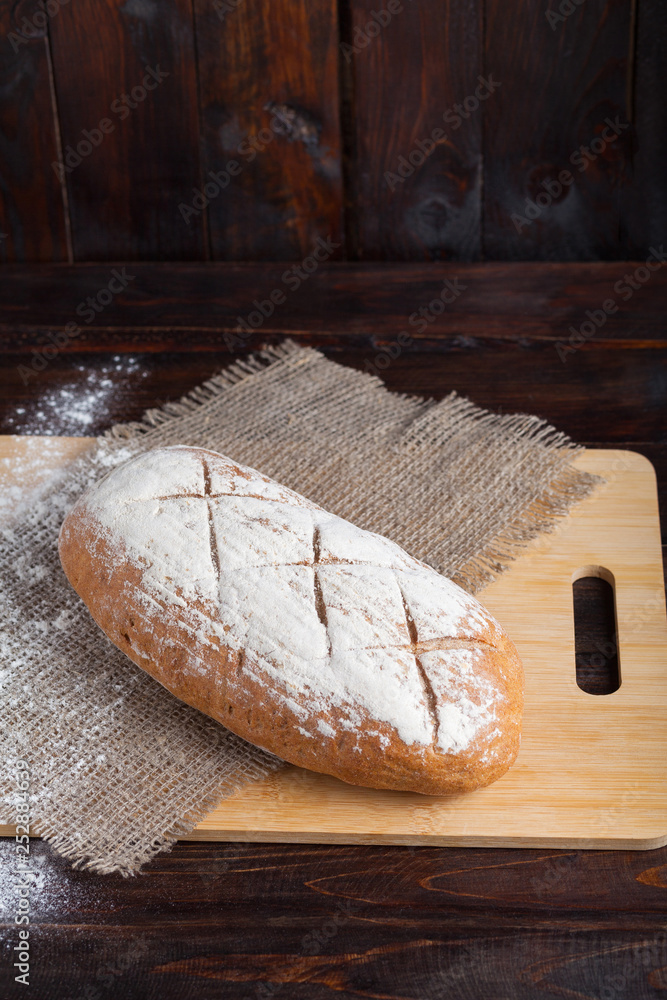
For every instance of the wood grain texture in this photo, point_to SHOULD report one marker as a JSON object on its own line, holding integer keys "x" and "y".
{"x": 566, "y": 733}
{"x": 32, "y": 209}
{"x": 268, "y": 80}
{"x": 175, "y": 305}
{"x": 413, "y": 198}
{"x": 612, "y": 395}
{"x": 125, "y": 184}
{"x": 560, "y": 82}
{"x": 256, "y": 921}
{"x": 477, "y": 923}
{"x": 644, "y": 200}
{"x": 509, "y": 319}
{"x": 609, "y": 392}
{"x": 248, "y": 68}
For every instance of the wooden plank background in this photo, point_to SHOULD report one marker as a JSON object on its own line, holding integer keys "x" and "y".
{"x": 268, "y": 78}
{"x": 423, "y": 61}
{"x": 33, "y": 210}
{"x": 559, "y": 86}
{"x": 123, "y": 196}
{"x": 332, "y": 97}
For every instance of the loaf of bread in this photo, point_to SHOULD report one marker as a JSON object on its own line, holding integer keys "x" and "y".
{"x": 320, "y": 642}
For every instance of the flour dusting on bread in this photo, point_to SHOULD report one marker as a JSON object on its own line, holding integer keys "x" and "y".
{"x": 336, "y": 628}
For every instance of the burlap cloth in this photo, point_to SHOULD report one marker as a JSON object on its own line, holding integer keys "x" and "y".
{"x": 119, "y": 767}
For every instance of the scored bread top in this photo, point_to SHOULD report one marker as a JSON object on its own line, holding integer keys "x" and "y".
{"x": 321, "y": 614}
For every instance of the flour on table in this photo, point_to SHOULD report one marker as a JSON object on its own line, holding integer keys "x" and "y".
{"x": 52, "y": 889}
{"x": 20, "y": 475}
{"x": 79, "y": 405}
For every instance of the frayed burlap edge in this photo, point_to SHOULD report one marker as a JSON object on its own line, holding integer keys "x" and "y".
{"x": 416, "y": 431}
{"x": 552, "y": 502}
{"x": 64, "y": 845}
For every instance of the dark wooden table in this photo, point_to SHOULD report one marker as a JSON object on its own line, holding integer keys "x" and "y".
{"x": 260, "y": 921}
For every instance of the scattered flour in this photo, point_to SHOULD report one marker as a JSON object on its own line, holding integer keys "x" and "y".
{"x": 27, "y": 470}
{"x": 81, "y": 405}
{"x": 54, "y": 886}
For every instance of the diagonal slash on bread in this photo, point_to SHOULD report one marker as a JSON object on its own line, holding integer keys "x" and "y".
{"x": 321, "y": 642}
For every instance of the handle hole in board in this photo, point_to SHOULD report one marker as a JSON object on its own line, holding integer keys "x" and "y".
{"x": 595, "y": 633}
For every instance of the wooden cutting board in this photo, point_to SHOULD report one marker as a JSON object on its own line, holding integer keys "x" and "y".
{"x": 592, "y": 768}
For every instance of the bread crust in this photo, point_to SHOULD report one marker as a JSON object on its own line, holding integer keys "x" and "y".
{"x": 222, "y": 681}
